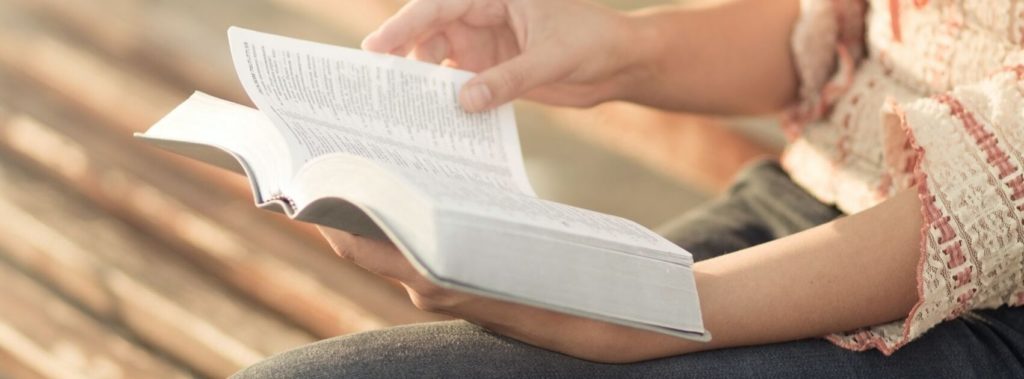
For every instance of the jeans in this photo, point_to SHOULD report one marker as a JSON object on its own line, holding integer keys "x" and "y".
{"x": 762, "y": 205}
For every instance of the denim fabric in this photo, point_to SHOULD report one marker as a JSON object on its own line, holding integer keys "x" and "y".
{"x": 762, "y": 205}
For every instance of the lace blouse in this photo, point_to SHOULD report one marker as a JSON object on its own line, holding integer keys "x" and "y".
{"x": 902, "y": 93}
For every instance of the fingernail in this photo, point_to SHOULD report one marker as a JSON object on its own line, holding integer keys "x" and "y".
{"x": 476, "y": 97}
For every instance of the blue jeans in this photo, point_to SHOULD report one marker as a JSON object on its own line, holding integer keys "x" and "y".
{"x": 763, "y": 204}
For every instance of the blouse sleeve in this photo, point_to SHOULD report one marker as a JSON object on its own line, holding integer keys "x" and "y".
{"x": 827, "y": 43}
{"x": 964, "y": 150}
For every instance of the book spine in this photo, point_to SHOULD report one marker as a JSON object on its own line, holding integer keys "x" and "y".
{"x": 284, "y": 199}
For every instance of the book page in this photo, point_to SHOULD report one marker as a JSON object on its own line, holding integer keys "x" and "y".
{"x": 405, "y": 114}
{"x": 517, "y": 216}
{"x": 244, "y": 134}
{"x": 528, "y": 215}
{"x": 398, "y": 112}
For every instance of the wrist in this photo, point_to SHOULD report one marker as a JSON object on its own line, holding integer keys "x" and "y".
{"x": 642, "y": 49}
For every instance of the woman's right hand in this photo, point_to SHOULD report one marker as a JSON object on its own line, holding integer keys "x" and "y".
{"x": 565, "y": 52}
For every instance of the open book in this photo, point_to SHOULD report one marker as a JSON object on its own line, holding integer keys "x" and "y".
{"x": 377, "y": 145}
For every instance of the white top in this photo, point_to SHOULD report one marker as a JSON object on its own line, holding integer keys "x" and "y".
{"x": 901, "y": 93}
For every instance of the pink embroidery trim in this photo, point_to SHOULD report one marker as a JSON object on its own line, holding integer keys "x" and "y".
{"x": 894, "y": 20}
{"x": 864, "y": 340}
{"x": 848, "y": 52}
{"x": 985, "y": 139}
{"x": 1020, "y": 29}
{"x": 1018, "y": 70}
{"x": 894, "y": 14}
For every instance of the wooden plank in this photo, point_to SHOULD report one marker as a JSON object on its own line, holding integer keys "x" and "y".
{"x": 125, "y": 279}
{"x": 167, "y": 38}
{"x": 697, "y": 150}
{"x": 55, "y": 80}
{"x": 32, "y": 50}
{"x": 46, "y": 67}
{"x": 184, "y": 43}
{"x": 106, "y": 88}
{"x": 125, "y": 100}
{"x": 301, "y": 280}
{"x": 47, "y": 338}
{"x": 11, "y": 367}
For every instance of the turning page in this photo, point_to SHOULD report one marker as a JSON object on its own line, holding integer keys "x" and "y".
{"x": 453, "y": 193}
{"x": 397, "y": 112}
{"x": 405, "y": 114}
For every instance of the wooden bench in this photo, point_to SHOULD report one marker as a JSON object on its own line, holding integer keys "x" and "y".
{"x": 123, "y": 261}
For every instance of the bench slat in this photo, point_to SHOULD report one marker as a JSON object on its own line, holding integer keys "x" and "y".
{"x": 221, "y": 233}
{"x": 126, "y": 279}
{"x": 40, "y": 334}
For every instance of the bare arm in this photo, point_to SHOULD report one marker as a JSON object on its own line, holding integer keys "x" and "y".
{"x": 732, "y": 57}
{"x": 729, "y": 58}
{"x": 849, "y": 273}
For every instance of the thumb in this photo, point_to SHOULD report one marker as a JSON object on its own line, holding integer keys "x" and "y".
{"x": 506, "y": 81}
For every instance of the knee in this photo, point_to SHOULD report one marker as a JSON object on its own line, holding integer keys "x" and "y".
{"x": 309, "y": 361}
{"x": 393, "y": 352}
{"x": 354, "y": 355}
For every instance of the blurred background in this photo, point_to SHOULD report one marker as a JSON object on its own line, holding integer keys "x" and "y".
{"x": 121, "y": 261}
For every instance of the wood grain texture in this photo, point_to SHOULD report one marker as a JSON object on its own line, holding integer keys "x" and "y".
{"x": 124, "y": 278}
{"x": 216, "y": 230}
{"x": 121, "y": 260}
{"x": 695, "y": 149}
{"x": 48, "y": 338}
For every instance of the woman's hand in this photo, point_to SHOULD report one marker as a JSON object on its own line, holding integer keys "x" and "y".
{"x": 732, "y": 57}
{"x": 571, "y": 335}
{"x": 823, "y": 280}
{"x": 559, "y": 52}
{"x": 384, "y": 259}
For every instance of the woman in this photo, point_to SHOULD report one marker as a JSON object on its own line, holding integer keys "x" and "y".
{"x": 893, "y": 224}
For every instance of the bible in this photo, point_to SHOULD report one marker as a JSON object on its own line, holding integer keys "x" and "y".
{"x": 378, "y": 146}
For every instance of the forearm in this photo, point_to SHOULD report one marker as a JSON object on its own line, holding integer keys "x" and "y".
{"x": 849, "y": 273}
{"x": 853, "y": 272}
{"x": 729, "y": 58}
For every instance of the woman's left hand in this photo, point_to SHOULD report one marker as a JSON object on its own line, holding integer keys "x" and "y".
{"x": 384, "y": 259}
{"x": 571, "y": 335}
{"x": 780, "y": 282}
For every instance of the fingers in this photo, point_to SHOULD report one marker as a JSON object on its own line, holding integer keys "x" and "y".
{"x": 414, "y": 31}
{"x": 413, "y": 20}
{"x": 434, "y": 49}
{"x": 382, "y": 258}
{"x": 344, "y": 244}
{"x": 379, "y": 257}
{"x": 508, "y": 80}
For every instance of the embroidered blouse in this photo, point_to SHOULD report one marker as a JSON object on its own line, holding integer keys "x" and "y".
{"x": 925, "y": 93}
